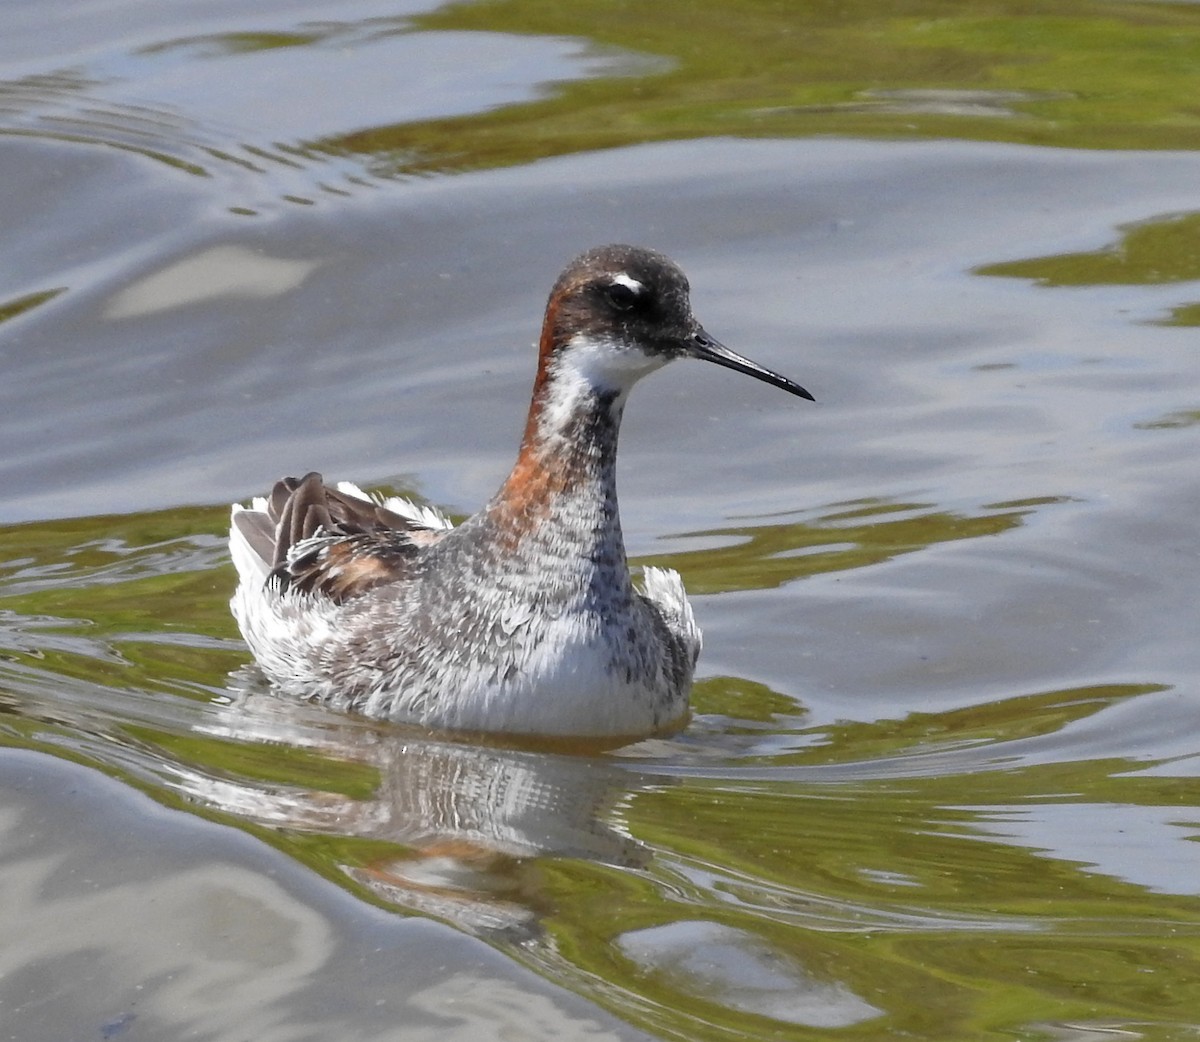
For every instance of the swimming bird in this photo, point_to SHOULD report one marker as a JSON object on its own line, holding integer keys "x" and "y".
{"x": 524, "y": 619}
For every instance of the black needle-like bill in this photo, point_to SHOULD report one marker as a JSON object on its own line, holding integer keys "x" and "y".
{"x": 709, "y": 349}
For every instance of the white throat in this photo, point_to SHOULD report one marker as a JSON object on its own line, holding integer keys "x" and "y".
{"x": 591, "y": 366}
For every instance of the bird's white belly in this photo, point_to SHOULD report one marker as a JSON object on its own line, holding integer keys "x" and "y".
{"x": 563, "y": 682}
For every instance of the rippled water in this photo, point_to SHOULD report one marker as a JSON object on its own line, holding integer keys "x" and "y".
{"x": 942, "y": 778}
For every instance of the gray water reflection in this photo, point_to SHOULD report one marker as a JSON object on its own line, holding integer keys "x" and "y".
{"x": 1109, "y": 838}
{"x": 720, "y": 965}
{"x": 183, "y": 928}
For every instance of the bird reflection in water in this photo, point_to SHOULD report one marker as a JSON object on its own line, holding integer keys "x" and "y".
{"x": 468, "y": 821}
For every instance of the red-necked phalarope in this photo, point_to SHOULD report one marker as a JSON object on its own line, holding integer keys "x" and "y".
{"x": 524, "y": 618}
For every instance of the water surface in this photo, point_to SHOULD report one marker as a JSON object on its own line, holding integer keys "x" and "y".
{"x": 942, "y": 778}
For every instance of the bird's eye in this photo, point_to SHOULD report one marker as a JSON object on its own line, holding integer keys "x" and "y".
{"x": 621, "y": 296}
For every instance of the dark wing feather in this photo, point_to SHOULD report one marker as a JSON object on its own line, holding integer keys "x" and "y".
{"x": 338, "y": 546}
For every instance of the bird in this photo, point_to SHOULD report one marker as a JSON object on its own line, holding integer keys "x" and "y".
{"x": 524, "y": 619}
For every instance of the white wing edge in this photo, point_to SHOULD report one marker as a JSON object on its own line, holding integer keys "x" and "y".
{"x": 425, "y": 516}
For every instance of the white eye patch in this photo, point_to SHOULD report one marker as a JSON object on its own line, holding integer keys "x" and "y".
{"x": 629, "y": 283}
